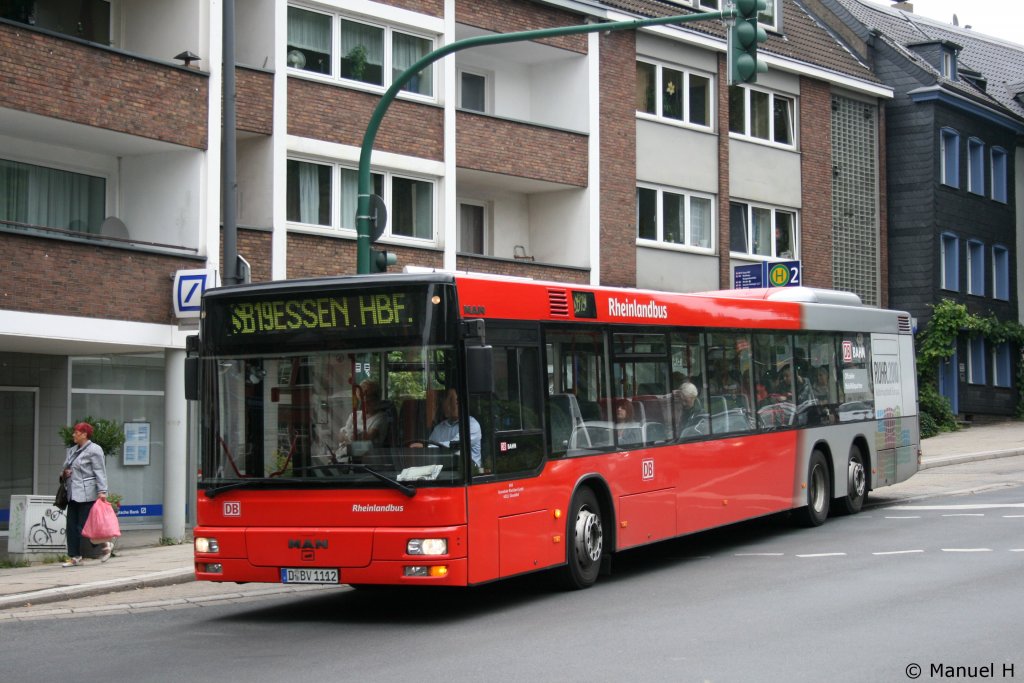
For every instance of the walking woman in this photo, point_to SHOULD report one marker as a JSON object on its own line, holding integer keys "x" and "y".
{"x": 85, "y": 478}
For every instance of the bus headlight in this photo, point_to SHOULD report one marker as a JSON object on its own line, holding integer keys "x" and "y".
{"x": 207, "y": 545}
{"x": 427, "y": 546}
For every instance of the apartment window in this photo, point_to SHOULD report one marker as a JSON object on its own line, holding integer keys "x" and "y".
{"x": 706, "y": 4}
{"x": 472, "y": 228}
{"x": 472, "y": 91}
{"x": 762, "y": 115}
{"x": 673, "y": 94}
{"x": 314, "y": 188}
{"x": 412, "y": 208}
{"x": 51, "y": 197}
{"x": 999, "y": 174}
{"x": 1000, "y": 273}
{"x": 1001, "y": 368}
{"x": 949, "y": 258}
{"x": 769, "y": 15}
{"x": 369, "y": 54}
{"x": 949, "y": 157}
{"x": 762, "y": 231}
{"x": 85, "y": 19}
{"x": 976, "y": 360}
{"x": 976, "y": 166}
{"x": 670, "y": 217}
{"x": 975, "y": 268}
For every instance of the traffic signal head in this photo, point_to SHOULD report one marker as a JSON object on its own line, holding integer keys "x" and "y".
{"x": 380, "y": 260}
{"x": 744, "y": 36}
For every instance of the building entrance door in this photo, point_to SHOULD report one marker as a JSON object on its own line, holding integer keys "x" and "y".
{"x": 17, "y": 446}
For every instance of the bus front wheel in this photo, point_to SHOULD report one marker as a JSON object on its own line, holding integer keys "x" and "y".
{"x": 819, "y": 492}
{"x": 856, "y": 484}
{"x": 586, "y": 541}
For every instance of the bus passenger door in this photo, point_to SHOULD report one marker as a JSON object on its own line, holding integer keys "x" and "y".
{"x": 511, "y": 524}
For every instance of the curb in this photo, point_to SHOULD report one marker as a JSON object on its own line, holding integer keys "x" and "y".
{"x": 168, "y": 577}
{"x": 942, "y": 461}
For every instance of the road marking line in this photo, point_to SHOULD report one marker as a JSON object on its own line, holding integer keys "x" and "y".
{"x": 1012, "y": 516}
{"x": 972, "y": 506}
{"x": 904, "y": 517}
{"x": 1017, "y": 550}
{"x": 898, "y": 552}
{"x": 965, "y": 514}
{"x": 760, "y": 554}
{"x": 823, "y": 555}
{"x": 967, "y": 550}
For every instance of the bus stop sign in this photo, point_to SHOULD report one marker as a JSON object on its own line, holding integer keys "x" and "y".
{"x": 767, "y": 274}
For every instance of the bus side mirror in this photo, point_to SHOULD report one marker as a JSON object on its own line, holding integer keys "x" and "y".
{"x": 192, "y": 368}
{"x": 480, "y": 369}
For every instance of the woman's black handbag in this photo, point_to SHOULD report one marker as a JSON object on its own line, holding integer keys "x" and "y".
{"x": 61, "y": 500}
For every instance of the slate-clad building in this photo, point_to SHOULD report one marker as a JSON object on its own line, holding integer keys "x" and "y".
{"x": 955, "y": 129}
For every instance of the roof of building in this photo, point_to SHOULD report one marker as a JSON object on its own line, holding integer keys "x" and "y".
{"x": 999, "y": 62}
{"x": 803, "y": 39}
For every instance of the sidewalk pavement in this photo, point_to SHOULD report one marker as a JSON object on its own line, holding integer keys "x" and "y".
{"x": 139, "y": 560}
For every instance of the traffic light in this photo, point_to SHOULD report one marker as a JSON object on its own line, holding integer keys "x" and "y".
{"x": 744, "y": 35}
{"x": 380, "y": 260}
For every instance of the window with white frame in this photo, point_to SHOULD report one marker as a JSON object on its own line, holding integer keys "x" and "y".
{"x": 975, "y": 268}
{"x": 975, "y": 166}
{"x": 674, "y": 94}
{"x": 949, "y": 157}
{"x": 1000, "y": 272}
{"x": 769, "y": 15}
{"x": 668, "y": 216}
{"x": 949, "y": 259}
{"x": 472, "y": 227}
{"x": 976, "y": 360}
{"x": 314, "y": 188}
{"x": 1001, "y": 365}
{"x": 762, "y": 115}
{"x": 998, "y": 174}
{"x": 367, "y": 53}
{"x": 758, "y": 230}
{"x": 51, "y": 197}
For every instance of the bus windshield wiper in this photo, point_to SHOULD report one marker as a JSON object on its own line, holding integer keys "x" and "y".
{"x": 393, "y": 483}
{"x": 212, "y": 493}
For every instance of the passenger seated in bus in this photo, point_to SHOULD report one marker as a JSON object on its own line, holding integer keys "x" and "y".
{"x": 687, "y": 407}
{"x": 447, "y": 430}
{"x": 626, "y": 431}
{"x": 368, "y": 422}
{"x": 786, "y": 387}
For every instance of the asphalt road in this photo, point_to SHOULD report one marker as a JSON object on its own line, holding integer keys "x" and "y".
{"x": 927, "y": 582}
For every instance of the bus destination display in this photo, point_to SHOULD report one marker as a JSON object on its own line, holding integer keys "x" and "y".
{"x": 338, "y": 312}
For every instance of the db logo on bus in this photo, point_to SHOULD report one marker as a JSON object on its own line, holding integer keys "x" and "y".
{"x": 647, "y": 470}
{"x": 232, "y": 508}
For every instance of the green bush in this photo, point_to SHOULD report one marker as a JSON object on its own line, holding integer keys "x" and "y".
{"x": 107, "y": 434}
{"x": 928, "y": 426}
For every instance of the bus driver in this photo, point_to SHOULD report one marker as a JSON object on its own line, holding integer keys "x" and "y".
{"x": 447, "y": 430}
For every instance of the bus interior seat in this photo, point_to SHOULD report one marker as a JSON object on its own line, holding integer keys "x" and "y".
{"x": 567, "y": 427}
{"x": 416, "y": 417}
{"x": 655, "y": 432}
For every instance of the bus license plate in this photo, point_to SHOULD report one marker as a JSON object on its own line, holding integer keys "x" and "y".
{"x": 308, "y": 575}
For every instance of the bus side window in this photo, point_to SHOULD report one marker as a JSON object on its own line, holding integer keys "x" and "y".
{"x": 690, "y": 418}
{"x": 730, "y": 384}
{"x": 577, "y": 405}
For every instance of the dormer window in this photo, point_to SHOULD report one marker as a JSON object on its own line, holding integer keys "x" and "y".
{"x": 949, "y": 63}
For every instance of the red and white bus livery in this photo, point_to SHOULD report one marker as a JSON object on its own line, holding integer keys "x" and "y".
{"x": 451, "y": 429}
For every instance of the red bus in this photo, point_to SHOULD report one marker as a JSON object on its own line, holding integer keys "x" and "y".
{"x": 450, "y": 429}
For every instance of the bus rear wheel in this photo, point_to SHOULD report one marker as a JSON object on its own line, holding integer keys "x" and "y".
{"x": 586, "y": 541}
{"x": 856, "y": 484}
{"x": 819, "y": 492}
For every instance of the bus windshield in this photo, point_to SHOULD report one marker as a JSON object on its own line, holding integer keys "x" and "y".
{"x": 344, "y": 410}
